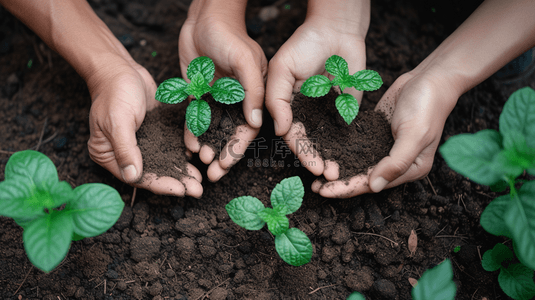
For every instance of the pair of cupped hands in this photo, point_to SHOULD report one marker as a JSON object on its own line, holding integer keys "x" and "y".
{"x": 124, "y": 92}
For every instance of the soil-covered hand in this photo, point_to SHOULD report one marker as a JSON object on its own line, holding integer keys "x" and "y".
{"x": 121, "y": 94}
{"x": 219, "y": 33}
{"x": 416, "y": 106}
{"x": 302, "y": 56}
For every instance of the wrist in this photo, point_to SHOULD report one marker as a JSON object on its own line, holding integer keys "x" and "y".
{"x": 346, "y": 17}
{"x": 231, "y": 11}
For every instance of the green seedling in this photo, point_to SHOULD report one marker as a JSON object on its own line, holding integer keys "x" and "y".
{"x": 457, "y": 249}
{"x": 292, "y": 244}
{"x": 496, "y": 159}
{"x": 347, "y": 105}
{"x": 515, "y": 279}
{"x": 200, "y": 72}
{"x": 51, "y": 213}
{"x": 435, "y": 283}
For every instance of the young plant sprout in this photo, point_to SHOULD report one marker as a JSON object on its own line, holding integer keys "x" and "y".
{"x": 347, "y": 105}
{"x": 496, "y": 159}
{"x": 51, "y": 213}
{"x": 292, "y": 244}
{"x": 200, "y": 72}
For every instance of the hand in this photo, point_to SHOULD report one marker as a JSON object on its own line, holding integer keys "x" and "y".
{"x": 302, "y": 56}
{"x": 223, "y": 38}
{"x": 417, "y": 106}
{"x": 121, "y": 94}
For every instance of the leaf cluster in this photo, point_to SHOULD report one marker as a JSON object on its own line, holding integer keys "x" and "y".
{"x": 347, "y": 105}
{"x": 200, "y": 72}
{"x": 435, "y": 283}
{"x": 515, "y": 279}
{"x": 496, "y": 159}
{"x": 292, "y": 245}
{"x": 51, "y": 213}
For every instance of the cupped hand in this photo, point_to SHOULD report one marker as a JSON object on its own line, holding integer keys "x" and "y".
{"x": 416, "y": 106}
{"x": 224, "y": 39}
{"x": 301, "y": 57}
{"x": 121, "y": 94}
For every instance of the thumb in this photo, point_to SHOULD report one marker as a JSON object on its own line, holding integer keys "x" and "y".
{"x": 279, "y": 88}
{"x": 250, "y": 73}
{"x": 126, "y": 152}
{"x": 401, "y": 158}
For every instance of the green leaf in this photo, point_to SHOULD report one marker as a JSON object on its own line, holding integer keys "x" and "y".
{"x": 276, "y": 221}
{"x": 517, "y": 282}
{"x": 367, "y": 80}
{"x": 201, "y": 65}
{"x": 471, "y": 155}
{"x": 517, "y": 151}
{"x": 294, "y": 247}
{"x": 488, "y": 263}
{"x": 505, "y": 163}
{"x": 520, "y": 220}
{"x": 227, "y": 90}
{"x": 47, "y": 240}
{"x": 77, "y": 237}
{"x": 31, "y": 165}
{"x": 492, "y": 259}
{"x": 356, "y": 296}
{"x": 492, "y": 218}
{"x": 20, "y": 199}
{"x": 198, "y": 116}
{"x": 172, "y": 91}
{"x": 518, "y": 115}
{"x": 244, "y": 212}
{"x": 336, "y": 66}
{"x": 343, "y": 81}
{"x": 95, "y": 209}
{"x": 288, "y": 195}
{"x": 436, "y": 283}
{"x": 198, "y": 86}
{"x": 347, "y": 106}
{"x": 316, "y": 86}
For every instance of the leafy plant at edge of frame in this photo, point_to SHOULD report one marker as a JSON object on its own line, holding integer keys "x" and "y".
{"x": 496, "y": 159}
{"x": 292, "y": 245}
{"x": 200, "y": 72}
{"x": 51, "y": 213}
{"x": 347, "y": 105}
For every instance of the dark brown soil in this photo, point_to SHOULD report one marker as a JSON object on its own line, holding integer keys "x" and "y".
{"x": 184, "y": 248}
{"x": 355, "y": 147}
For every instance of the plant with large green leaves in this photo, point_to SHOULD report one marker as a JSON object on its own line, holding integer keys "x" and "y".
{"x": 293, "y": 245}
{"x": 51, "y": 213}
{"x": 347, "y": 105}
{"x": 436, "y": 283}
{"x": 200, "y": 72}
{"x": 496, "y": 159}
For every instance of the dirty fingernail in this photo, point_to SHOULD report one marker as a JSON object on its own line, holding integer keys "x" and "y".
{"x": 257, "y": 117}
{"x": 378, "y": 184}
{"x": 129, "y": 173}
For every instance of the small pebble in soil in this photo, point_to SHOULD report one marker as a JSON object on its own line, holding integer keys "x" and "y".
{"x": 177, "y": 212}
{"x": 385, "y": 289}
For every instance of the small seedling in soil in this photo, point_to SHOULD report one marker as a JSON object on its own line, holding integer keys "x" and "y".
{"x": 347, "y": 105}
{"x": 457, "y": 249}
{"x": 200, "y": 72}
{"x": 496, "y": 159}
{"x": 435, "y": 283}
{"x": 292, "y": 244}
{"x": 51, "y": 213}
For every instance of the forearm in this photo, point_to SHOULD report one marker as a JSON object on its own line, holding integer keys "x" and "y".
{"x": 351, "y": 16}
{"x": 71, "y": 28}
{"x": 497, "y": 32}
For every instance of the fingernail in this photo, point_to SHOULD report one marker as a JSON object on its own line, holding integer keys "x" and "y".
{"x": 378, "y": 184}
{"x": 129, "y": 173}
{"x": 276, "y": 126}
{"x": 257, "y": 117}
